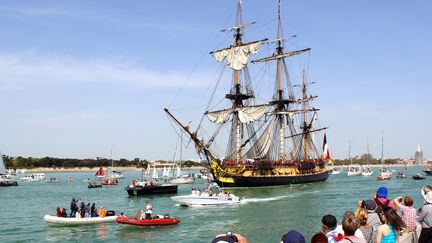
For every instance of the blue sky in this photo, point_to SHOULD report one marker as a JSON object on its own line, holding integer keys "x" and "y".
{"x": 79, "y": 76}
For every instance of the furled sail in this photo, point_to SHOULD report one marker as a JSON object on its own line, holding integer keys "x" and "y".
{"x": 279, "y": 56}
{"x": 246, "y": 114}
{"x": 237, "y": 56}
{"x": 261, "y": 148}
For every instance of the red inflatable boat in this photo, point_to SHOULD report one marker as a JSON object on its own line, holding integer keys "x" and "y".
{"x": 147, "y": 222}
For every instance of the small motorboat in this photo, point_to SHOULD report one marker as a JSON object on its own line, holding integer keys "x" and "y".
{"x": 52, "y": 180}
{"x": 367, "y": 172}
{"x": 336, "y": 172}
{"x": 69, "y": 178}
{"x": 77, "y": 221}
{"x": 150, "y": 187}
{"x": 182, "y": 180}
{"x": 418, "y": 177}
{"x": 94, "y": 184}
{"x": 33, "y": 177}
{"x": 428, "y": 171}
{"x": 383, "y": 178}
{"x": 7, "y": 180}
{"x": 400, "y": 175}
{"x": 118, "y": 174}
{"x": 206, "y": 198}
{"x": 160, "y": 220}
{"x": 110, "y": 182}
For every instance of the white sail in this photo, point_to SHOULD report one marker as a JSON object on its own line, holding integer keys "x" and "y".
{"x": 246, "y": 114}
{"x": 2, "y": 166}
{"x": 164, "y": 173}
{"x": 237, "y": 56}
{"x": 155, "y": 174}
{"x": 262, "y": 146}
{"x": 147, "y": 172}
{"x": 179, "y": 172}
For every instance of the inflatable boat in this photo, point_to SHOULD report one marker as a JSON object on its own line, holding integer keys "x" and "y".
{"x": 77, "y": 221}
{"x": 147, "y": 222}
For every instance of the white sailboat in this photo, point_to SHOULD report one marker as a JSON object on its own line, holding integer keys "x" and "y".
{"x": 147, "y": 171}
{"x": 179, "y": 177}
{"x": 367, "y": 171}
{"x": 155, "y": 174}
{"x": 352, "y": 170}
{"x": 384, "y": 173}
{"x": 5, "y": 178}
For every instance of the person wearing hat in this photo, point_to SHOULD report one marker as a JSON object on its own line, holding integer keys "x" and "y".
{"x": 424, "y": 216}
{"x": 372, "y": 219}
{"x": 328, "y": 226}
{"x": 293, "y": 236}
{"x": 380, "y": 198}
{"x": 229, "y": 238}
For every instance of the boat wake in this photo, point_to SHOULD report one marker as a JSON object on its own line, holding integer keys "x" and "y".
{"x": 276, "y": 198}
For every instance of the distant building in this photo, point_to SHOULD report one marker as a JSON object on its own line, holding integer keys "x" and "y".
{"x": 418, "y": 156}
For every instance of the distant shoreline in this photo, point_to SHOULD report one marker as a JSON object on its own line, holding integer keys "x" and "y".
{"x": 85, "y": 169}
{"x": 389, "y": 165}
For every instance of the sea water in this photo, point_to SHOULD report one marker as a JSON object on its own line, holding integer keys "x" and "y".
{"x": 264, "y": 215}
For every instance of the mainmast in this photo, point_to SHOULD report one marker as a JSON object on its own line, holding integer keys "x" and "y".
{"x": 282, "y": 101}
{"x": 279, "y": 51}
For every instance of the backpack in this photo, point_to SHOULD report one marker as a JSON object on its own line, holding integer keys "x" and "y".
{"x": 380, "y": 208}
{"x": 337, "y": 237}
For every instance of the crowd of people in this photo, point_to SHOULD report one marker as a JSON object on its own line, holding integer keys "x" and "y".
{"x": 377, "y": 220}
{"x": 79, "y": 209}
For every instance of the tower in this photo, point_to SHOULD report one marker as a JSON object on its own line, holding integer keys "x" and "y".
{"x": 418, "y": 156}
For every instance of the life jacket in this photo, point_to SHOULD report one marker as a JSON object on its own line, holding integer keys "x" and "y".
{"x": 337, "y": 237}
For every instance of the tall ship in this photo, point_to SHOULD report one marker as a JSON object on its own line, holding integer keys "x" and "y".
{"x": 267, "y": 143}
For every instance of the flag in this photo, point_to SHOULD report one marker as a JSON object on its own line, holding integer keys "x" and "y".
{"x": 326, "y": 151}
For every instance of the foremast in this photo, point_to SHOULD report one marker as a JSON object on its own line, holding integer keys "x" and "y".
{"x": 236, "y": 57}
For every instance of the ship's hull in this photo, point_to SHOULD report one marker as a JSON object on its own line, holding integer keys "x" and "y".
{"x": 139, "y": 190}
{"x": 262, "y": 181}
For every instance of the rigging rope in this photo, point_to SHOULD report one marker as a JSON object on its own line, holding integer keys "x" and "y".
{"x": 200, "y": 60}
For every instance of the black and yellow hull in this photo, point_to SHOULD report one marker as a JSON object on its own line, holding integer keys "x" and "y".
{"x": 229, "y": 177}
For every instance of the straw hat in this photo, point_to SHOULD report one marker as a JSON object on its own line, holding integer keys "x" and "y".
{"x": 427, "y": 196}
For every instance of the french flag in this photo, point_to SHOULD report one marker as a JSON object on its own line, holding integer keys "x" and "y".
{"x": 326, "y": 150}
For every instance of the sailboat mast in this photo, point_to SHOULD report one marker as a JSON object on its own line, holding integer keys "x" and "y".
{"x": 349, "y": 153}
{"x": 112, "y": 161}
{"x": 238, "y": 101}
{"x": 367, "y": 144}
{"x": 181, "y": 146}
{"x": 382, "y": 150}
{"x": 305, "y": 126}
{"x": 279, "y": 50}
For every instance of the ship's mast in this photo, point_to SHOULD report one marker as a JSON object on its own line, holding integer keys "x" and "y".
{"x": 237, "y": 96}
{"x": 305, "y": 125}
{"x": 279, "y": 50}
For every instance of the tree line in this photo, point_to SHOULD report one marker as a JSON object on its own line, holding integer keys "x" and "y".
{"x": 364, "y": 159}
{"x": 50, "y": 162}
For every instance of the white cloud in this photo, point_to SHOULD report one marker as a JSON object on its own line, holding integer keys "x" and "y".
{"x": 32, "y": 12}
{"x": 29, "y": 68}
